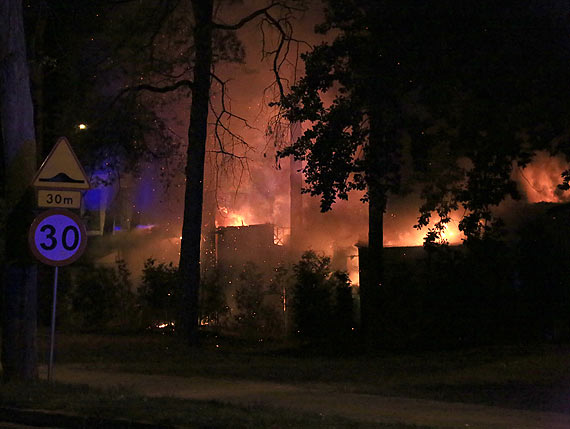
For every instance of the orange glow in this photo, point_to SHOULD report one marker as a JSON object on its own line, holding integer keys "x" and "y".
{"x": 540, "y": 178}
{"x": 354, "y": 277}
{"x": 448, "y": 234}
{"x": 352, "y": 267}
{"x": 232, "y": 218}
{"x": 414, "y": 237}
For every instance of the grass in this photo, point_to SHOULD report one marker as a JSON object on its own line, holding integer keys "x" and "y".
{"x": 109, "y": 404}
{"x": 530, "y": 377}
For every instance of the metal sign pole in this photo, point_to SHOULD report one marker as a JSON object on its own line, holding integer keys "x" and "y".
{"x": 57, "y": 237}
{"x": 50, "y": 366}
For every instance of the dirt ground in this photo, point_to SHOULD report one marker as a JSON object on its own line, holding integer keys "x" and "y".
{"x": 321, "y": 399}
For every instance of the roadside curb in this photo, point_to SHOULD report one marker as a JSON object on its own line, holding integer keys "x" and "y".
{"x": 44, "y": 418}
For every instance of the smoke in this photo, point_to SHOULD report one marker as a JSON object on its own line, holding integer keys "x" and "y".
{"x": 266, "y": 200}
{"x": 135, "y": 247}
{"x": 256, "y": 191}
{"x": 260, "y": 197}
{"x": 540, "y": 179}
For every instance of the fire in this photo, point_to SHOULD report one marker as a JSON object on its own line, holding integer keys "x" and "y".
{"x": 232, "y": 218}
{"x": 236, "y": 219}
{"x": 414, "y": 237}
{"x": 448, "y": 234}
{"x": 354, "y": 276}
{"x": 352, "y": 267}
{"x": 540, "y": 178}
{"x": 163, "y": 325}
{"x": 244, "y": 215}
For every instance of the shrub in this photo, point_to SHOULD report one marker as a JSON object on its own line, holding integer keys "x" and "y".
{"x": 322, "y": 300}
{"x": 101, "y": 297}
{"x": 213, "y": 306}
{"x": 256, "y": 317}
{"x": 159, "y": 293}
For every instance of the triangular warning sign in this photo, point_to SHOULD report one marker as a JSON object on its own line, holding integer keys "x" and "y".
{"x": 61, "y": 169}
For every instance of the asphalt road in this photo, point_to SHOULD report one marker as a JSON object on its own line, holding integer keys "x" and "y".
{"x": 321, "y": 399}
{"x": 8, "y": 425}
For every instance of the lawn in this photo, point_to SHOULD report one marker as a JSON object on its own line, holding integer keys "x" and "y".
{"x": 533, "y": 377}
{"x": 120, "y": 408}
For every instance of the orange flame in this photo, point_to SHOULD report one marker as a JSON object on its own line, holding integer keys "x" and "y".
{"x": 231, "y": 218}
{"x": 414, "y": 237}
{"x": 540, "y": 178}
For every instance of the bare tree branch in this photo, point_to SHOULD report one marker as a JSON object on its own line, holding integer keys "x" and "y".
{"x": 161, "y": 89}
{"x": 251, "y": 17}
{"x": 152, "y": 88}
{"x": 220, "y": 123}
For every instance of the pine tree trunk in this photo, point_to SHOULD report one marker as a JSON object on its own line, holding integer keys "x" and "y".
{"x": 296, "y": 244}
{"x": 36, "y": 55}
{"x": 19, "y": 291}
{"x": 193, "y": 199}
{"x": 375, "y": 262}
{"x": 374, "y": 255}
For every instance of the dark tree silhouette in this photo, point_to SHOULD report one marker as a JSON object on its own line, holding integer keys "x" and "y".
{"x": 353, "y": 94}
{"x": 78, "y": 60}
{"x": 492, "y": 76}
{"x": 169, "y": 49}
{"x": 202, "y": 41}
{"x": 197, "y": 134}
{"x": 19, "y": 297}
{"x": 478, "y": 81}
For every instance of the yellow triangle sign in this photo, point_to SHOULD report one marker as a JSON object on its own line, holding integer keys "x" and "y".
{"x": 61, "y": 169}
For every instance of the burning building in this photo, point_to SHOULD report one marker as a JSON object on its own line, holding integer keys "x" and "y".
{"x": 239, "y": 245}
{"x": 269, "y": 222}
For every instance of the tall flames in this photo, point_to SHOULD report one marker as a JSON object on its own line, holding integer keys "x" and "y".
{"x": 540, "y": 178}
{"x": 229, "y": 217}
{"x": 347, "y": 223}
{"x": 265, "y": 199}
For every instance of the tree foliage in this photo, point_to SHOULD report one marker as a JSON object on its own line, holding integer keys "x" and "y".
{"x": 204, "y": 31}
{"x": 322, "y": 300}
{"x": 101, "y": 298}
{"x": 255, "y": 317}
{"x": 494, "y": 90}
{"x": 159, "y": 292}
{"x": 479, "y": 81}
{"x": 213, "y": 305}
{"x": 341, "y": 96}
{"x": 135, "y": 56}
{"x": 354, "y": 95}
{"x": 79, "y": 62}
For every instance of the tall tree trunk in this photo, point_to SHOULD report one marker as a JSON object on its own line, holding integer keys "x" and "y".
{"x": 19, "y": 352}
{"x": 36, "y": 55}
{"x": 296, "y": 197}
{"x": 193, "y": 198}
{"x": 374, "y": 256}
{"x": 375, "y": 262}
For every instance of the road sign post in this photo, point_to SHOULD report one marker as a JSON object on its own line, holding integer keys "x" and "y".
{"x": 61, "y": 169}
{"x": 61, "y": 178}
{"x": 52, "y": 198}
{"x": 53, "y": 308}
{"x": 57, "y": 237}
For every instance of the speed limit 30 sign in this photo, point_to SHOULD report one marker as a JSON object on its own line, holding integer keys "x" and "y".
{"x": 57, "y": 237}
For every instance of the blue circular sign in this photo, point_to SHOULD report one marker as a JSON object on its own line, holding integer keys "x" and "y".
{"x": 57, "y": 237}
